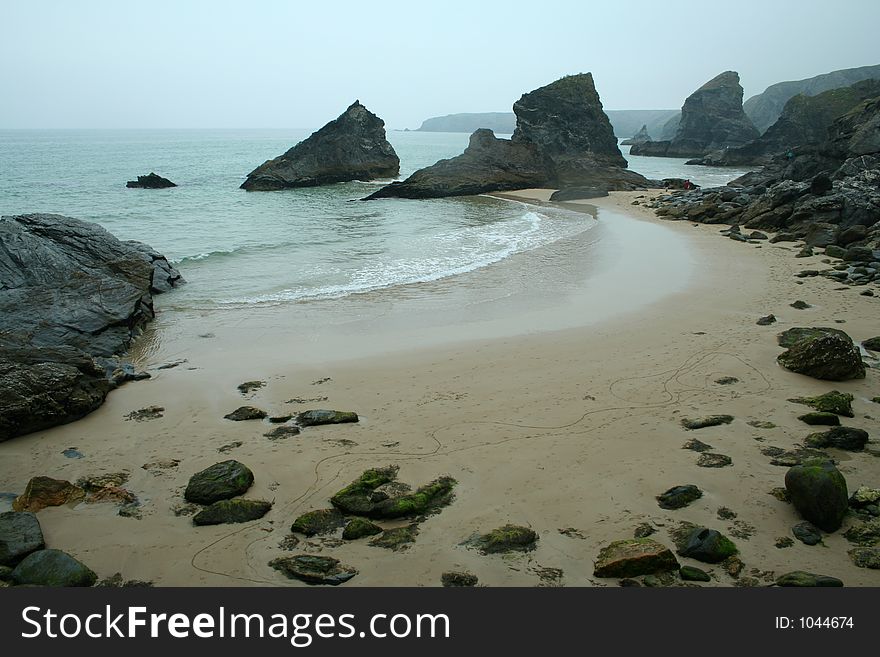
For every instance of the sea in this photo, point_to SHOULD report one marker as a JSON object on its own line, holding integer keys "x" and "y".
{"x": 249, "y": 249}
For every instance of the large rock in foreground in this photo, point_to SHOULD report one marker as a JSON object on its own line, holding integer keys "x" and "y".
{"x": 818, "y": 491}
{"x": 351, "y": 147}
{"x": 563, "y": 138}
{"x": 20, "y": 534}
{"x": 69, "y": 291}
{"x": 52, "y": 568}
{"x": 827, "y": 357}
{"x": 712, "y": 118}
{"x": 219, "y": 482}
{"x": 634, "y": 557}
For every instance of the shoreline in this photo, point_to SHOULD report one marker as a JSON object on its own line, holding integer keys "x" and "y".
{"x": 553, "y": 427}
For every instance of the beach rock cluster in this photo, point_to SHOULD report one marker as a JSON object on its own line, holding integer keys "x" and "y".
{"x": 218, "y": 488}
{"x": 72, "y": 298}
{"x": 351, "y": 147}
{"x": 712, "y": 118}
{"x": 562, "y": 139}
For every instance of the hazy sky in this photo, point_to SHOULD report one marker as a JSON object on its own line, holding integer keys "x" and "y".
{"x": 268, "y": 63}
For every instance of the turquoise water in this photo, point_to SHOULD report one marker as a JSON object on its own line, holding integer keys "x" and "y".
{"x": 238, "y": 248}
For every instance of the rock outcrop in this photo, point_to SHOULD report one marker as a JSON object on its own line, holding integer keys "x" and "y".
{"x": 640, "y": 137}
{"x": 351, "y": 147}
{"x": 562, "y": 138}
{"x": 150, "y": 181}
{"x": 712, "y": 118}
{"x": 69, "y": 292}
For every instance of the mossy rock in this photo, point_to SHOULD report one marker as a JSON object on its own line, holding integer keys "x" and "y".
{"x": 359, "y": 528}
{"x": 357, "y": 498}
{"x": 761, "y": 424}
{"x": 320, "y": 521}
{"x": 708, "y": 546}
{"x": 456, "y": 579}
{"x": 232, "y": 511}
{"x": 713, "y": 460}
{"x": 866, "y": 533}
{"x": 509, "y": 538}
{"x": 805, "y": 579}
{"x": 314, "y": 569}
{"x": 678, "y": 497}
{"x": 693, "y": 574}
{"x": 790, "y": 457}
{"x": 828, "y": 358}
{"x": 818, "y": 492}
{"x": 318, "y": 417}
{"x": 702, "y": 423}
{"x": 243, "y": 413}
{"x": 397, "y": 539}
{"x": 792, "y": 336}
{"x": 839, "y": 403}
{"x": 846, "y": 438}
{"x": 818, "y": 418}
{"x": 634, "y": 557}
{"x": 865, "y": 557}
{"x": 20, "y": 535}
{"x": 52, "y": 568}
{"x": 219, "y": 482}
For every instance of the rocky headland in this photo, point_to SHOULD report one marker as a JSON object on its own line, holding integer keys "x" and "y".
{"x": 562, "y": 138}
{"x": 712, "y": 118}
{"x": 351, "y": 147}
{"x": 640, "y": 137}
{"x": 72, "y": 299}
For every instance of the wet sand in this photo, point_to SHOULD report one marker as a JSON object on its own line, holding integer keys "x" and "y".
{"x": 550, "y": 385}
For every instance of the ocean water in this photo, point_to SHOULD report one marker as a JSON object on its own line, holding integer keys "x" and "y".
{"x": 240, "y": 248}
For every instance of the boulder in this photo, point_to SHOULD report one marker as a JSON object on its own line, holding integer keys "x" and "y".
{"x": 358, "y": 499}
{"x": 70, "y": 292}
{"x": 20, "y": 534}
{"x": 679, "y": 496}
{"x": 708, "y": 546}
{"x": 820, "y": 419}
{"x": 232, "y": 511}
{"x": 397, "y": 538}
{"x": 150, "y": 181}
{"x": 219, "y": 482}
{"x": 847, "y": 438}
{"x": 634, "y": 557}
{"x": 818, "y": 492}
{"x": 807, "y": 533}
{"x": 804, "y": 579}
{"x": 314, "y": 569}
{"x": 456, "y": 579}
{"x": 52, "y": 568}
{"x": 352, "y": 147}
{"x": 244, "y": 413}
{"x": 692, "y": 574}
{"x": 839, "y": 403}
{"x": 827, "y": 357}
{"x": 359, "y": 528}
{"x": 792, "y": 336}
{"x": 508, "y": 538}
{"x": 318, "y": 417}
{"x": 41, "y": 492}
{"x": 320, "y": 521}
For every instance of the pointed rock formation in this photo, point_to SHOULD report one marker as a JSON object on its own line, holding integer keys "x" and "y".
{"x": 352, "y": 147}
{"x": 563, "y": 138}
{"x": 640, "y": 137}
{"x": 712, "y": 118}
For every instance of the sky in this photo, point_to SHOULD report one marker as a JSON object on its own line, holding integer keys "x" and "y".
{"x": 276, "y": 64}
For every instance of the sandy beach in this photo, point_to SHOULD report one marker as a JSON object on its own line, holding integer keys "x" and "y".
{"x": 551, "y": 386}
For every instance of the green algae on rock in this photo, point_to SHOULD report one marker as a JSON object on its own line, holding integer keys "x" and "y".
{"x": 357, "y": 498}
{"x": 232, "y": 511}
{"x": 359, "y": 528}
{"x": 508, "y": 538}
{"x": 221, "y": 481}
{"x": 398, "y": 538}
{"x": 839, "y": 403}
{"x": 818, "y": 491}
{"x": 319, "y": 521}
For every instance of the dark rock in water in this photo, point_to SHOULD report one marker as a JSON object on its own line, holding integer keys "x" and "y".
{"x": 817, "y": 418}
{"x": 52, "y": 568}
{"x": 69, "y": 292}
{"x": 150, "y": 181}
{"x": 219, "y": 482}
{"x": 712, "y": 460}
{"x": 20, "y": 534}
{"x": 836, "y": 402}
{"x": 708, "y": 546}
{"x": 42, "y": 492}
{"x": 866, "y": 557}
{"x": 710, "y": 421}
{"x": 318, "y": 417}
{"x": 320, "y": 521}
{"x": 243, "y": 413}
{"x": 577, "y": 193}
{"x": 818, "y": 492}
{"x": 827, "y": 357}
{"x": 640, "y": 137}
{"x": 453, "y": 579}
{"x": 314, "y": 569}
{"x": 562, "y": 139}
{"x": 792, "y": 336}
{"x": 679, "y": 496}
{"x": 872, "y": 344}
{"x": 634, "y": 557}
{"x": 357, "y": 498}
{"x": 807, "y": 533}
{"x": 359, "y": 528}
{"x": 692, "y": 574}
{"x": 397, "y": 539}
{"x": 712, "y": 119}
{"x": 352, "y": 147}
{"x": 766, "y": 320}
{"x": 846, "y": 438}
{"x": 801, "y": 578}
{"x": 232, "y": 511}
{"x": 509, "y": 538}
